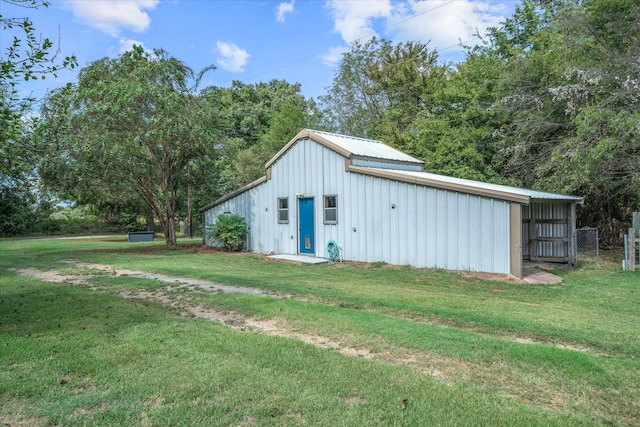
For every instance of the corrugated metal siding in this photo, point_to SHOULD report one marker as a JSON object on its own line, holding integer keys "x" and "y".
{"x": 378, "y": 219}
{"x": 546, "y": 211}
{"x": 427, "y": 227}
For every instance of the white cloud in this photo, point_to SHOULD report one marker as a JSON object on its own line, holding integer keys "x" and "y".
{"x": 127, "y": 44}
{"x": 283, "y": 10}
{"x": 333, "y": 56}
{"x": 232, "y": 58}
{"x": 354, "y": 19}
{"x": 112, "y": 16}
{"x": 444, "y": 23}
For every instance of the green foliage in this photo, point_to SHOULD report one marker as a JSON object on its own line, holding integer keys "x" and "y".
{"x": 22, "y": 215}
{"x": 228, "y": 231}
{"x": 381, "y": 89}
{"x": 17, "y": 211}
{"x": 548, "y": 101}
{"x": 131, "y": 127}
{"x": 401, "y": 95}
{"x": 256, "y": 120}
{"x": 569, "y": 86}
{"x": 28, "y": 57}
{"x": 286, "y": 122}
{"x": 57, "y": 226}
{"x": 126, "y": 222}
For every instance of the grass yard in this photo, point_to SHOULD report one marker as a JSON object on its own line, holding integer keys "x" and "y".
{"x": 92, "y": 332}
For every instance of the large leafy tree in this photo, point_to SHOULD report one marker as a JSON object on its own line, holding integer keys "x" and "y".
{"x": 401, "y": 94}
{"x": 132, "y": 125}
{"x": 381, "y": 88}
{"x": 257, "y": 120}
{"x": 600, "y": 93}
{"x": 286, "y": 122}
{"x": 570, "y": 88}
{"x": 460, "y": 134}
{"x": 28, "y": 56}
{"x": 549, "y": 101}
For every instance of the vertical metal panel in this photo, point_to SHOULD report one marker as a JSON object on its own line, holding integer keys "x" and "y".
{"x": 475, "y": 222}
{"x": 515, "y": 227}
{"x": 453, "y": 257}
{"x": 432, "y": 226}
{"x": 392, "y": 219}
{"x": 462, "y": 238}
{"x": 386, "y": 219}
{"x": 421, "y": 225}
{"x": 441, "y": 229}
{"x": 412, "y": 226}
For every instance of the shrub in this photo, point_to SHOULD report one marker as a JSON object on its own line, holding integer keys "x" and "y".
{"x": 17, "y": 211}
{"x": 228, "y": 231}
{"x": 125, "y": 222}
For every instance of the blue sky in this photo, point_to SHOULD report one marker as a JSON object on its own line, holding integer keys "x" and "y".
{"x": 252, "y": 40}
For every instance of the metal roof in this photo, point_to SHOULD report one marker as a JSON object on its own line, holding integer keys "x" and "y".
{"x": 361, "y": 147}
{"x": 486, "y": 186}
{"x": 350, "y": 147}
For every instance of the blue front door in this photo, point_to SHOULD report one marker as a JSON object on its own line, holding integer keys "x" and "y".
{"x": 305, "y": 226}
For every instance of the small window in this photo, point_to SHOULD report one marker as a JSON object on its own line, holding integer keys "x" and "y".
{"x": 283, "y": 210}
{"x": 331, "y": 209}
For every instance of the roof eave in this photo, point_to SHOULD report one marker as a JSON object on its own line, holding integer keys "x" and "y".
{"x": 306, "y": 133}
{"x": 568, "y": 199}
{"x": 234, "y": 194}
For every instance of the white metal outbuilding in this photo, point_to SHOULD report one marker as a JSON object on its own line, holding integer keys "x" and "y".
{"x": 378, "y": 204}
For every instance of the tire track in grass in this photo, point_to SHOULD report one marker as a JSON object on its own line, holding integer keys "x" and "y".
{"x": 168, "y": 297}
{"x": 450, "y": 370}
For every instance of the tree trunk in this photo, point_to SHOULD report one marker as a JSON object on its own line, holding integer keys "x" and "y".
{"x": 189, "y": 205}
{"x": 169, "y": 226}
{"x": 151, "y": 226}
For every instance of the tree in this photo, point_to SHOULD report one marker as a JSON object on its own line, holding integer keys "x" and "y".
{"x": 600, "y": 95}
{"x": 286, "y": 122}
{"x": 27, "y": 57}
{"x": 249, "y": 116}
{"x": 399, "y": 93}
{"x": 17, "y": 210}
{"x": 132, "y": 125}
{"x": 381, "y": 88}
{"x": 568, "y": 85}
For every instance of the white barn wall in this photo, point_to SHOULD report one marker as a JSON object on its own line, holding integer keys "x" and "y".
{"x": 428, "y": 228}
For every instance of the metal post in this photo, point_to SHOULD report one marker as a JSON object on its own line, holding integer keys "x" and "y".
{"x": 625, "y": 261}
{"x": 632, "y": 249}
{"x": 571, "y": 234}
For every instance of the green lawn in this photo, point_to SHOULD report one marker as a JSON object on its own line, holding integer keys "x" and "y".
{"x": 348, "y": 344}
